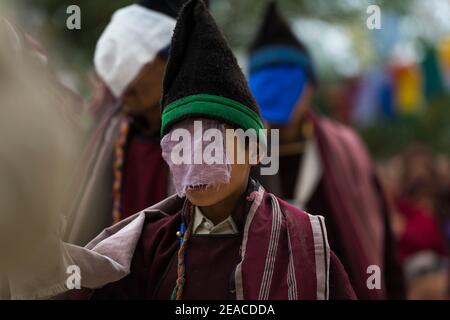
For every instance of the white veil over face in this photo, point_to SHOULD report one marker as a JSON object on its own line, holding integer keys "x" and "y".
{"x": 196, "y": 155}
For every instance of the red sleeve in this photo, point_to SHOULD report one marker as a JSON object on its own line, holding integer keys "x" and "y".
{"x": 340, "y": 287}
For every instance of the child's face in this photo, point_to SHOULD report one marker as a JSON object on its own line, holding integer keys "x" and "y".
{"x": 204, "y": 197}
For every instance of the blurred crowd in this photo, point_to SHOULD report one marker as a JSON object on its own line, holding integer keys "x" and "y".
{"x": 417, "y": 182}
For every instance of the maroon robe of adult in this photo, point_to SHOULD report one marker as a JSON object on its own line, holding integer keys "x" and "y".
{"x": 350, "y": 198}
{"x": 279, "y": 253}
{"x": 145, "y": 175}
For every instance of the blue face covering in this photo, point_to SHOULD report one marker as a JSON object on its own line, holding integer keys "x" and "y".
{"x": 277, "y": 89}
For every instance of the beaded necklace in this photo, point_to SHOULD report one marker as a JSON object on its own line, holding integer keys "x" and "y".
{"x": 119, "y": 159}
{"x": 184, "y": 235}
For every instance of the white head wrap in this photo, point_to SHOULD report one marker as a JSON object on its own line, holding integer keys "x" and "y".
{"x": 132, "y": 39}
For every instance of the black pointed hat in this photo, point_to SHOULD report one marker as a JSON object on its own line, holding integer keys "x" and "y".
{"x": 275, "y": 43}
{"x": 202, "y": 77}
{"x": 168, "y": 7}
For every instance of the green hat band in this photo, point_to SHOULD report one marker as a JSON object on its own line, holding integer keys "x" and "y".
{"x": 210, "y": 106}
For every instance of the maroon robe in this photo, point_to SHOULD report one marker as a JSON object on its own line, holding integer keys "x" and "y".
{"x": 145, "y": 174}
{"x": 233, "y": 266}
{"x": 350, "y": 198}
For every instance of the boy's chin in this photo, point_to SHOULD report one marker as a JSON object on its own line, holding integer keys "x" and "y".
{"x": 204, "y": 197}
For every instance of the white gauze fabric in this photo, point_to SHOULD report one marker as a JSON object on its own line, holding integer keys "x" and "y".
{"x": 132, "y": 39}
{"x": 195, "y": 153}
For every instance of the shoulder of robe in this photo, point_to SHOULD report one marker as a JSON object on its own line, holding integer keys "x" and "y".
{"x": 337, "y": 131}
{"x": 164, "y": 210}
{"x": 162, "y": 219}
{"x": 290, "y": 209}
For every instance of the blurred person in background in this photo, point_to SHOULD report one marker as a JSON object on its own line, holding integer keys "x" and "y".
{"x": 388, "y": 172}
{"x": 422, "y": 247}
{"x": 324, "y": 166}
{"x": 417, "y": 203}
{"x": 427, "y": 276}
{"x": 123, "y": 170}
{"x": 442, "y": 165}
{"x": 69, "y": 101}
{"x": 38, "y": 147}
